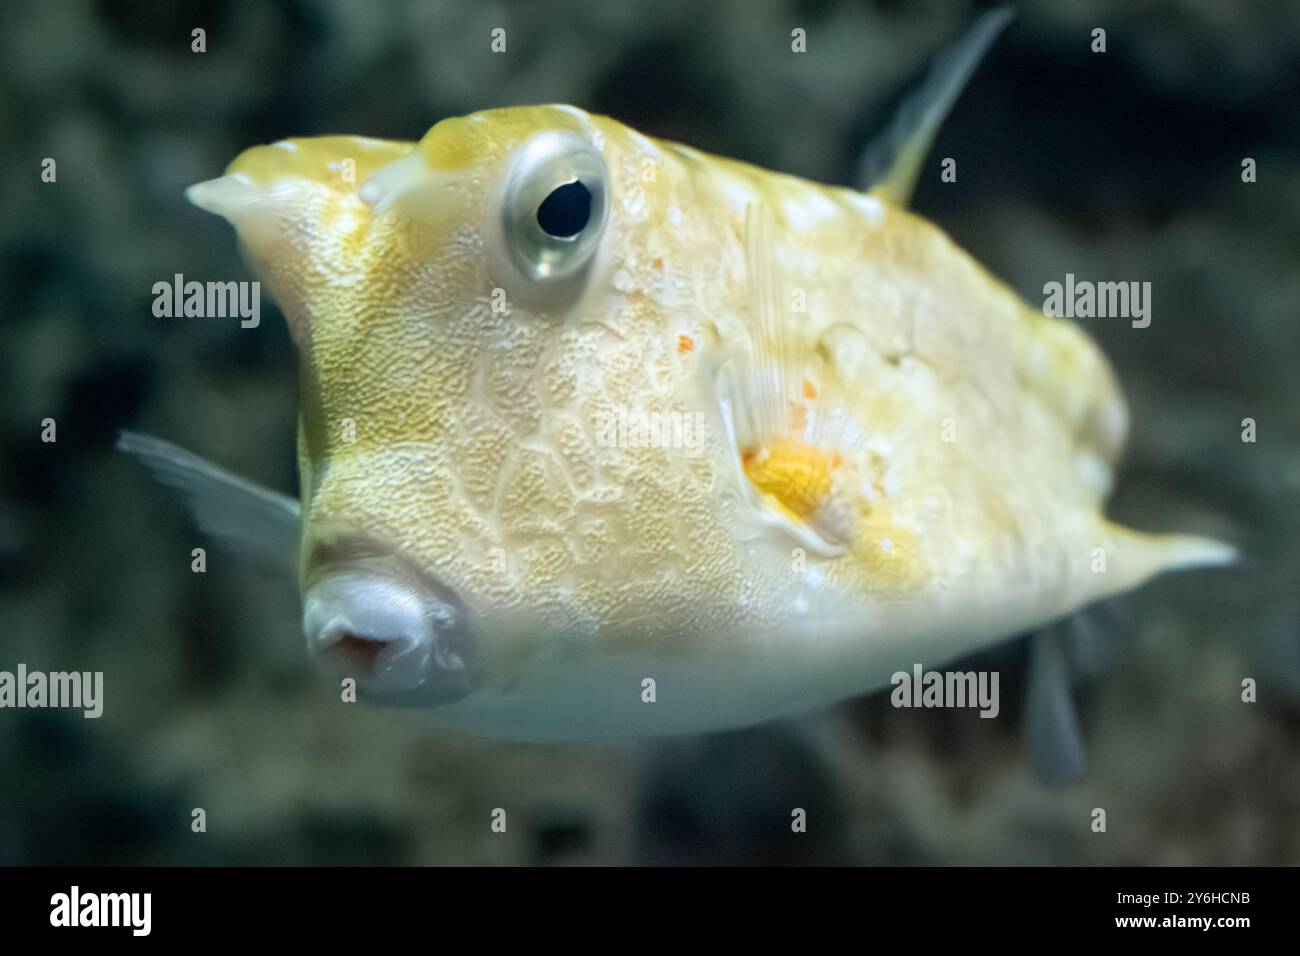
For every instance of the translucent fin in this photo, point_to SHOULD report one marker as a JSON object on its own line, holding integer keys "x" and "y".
{"x": 1053, "y": 740}
{"x": 774, "y": 363}
{"x": 892, "y": 162}
{"x": 1085, "y": 644}
{"x": 1082, "y": 647}
{"x": 1098, "y": 636}
{"x": 786, "y": 460}
{"x": 243, "y": 516}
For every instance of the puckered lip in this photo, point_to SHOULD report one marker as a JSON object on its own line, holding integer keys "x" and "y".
{"x": 369, "y": 613}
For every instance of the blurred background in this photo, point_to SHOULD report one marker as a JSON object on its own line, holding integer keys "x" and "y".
{"x": 1124, "y": 165}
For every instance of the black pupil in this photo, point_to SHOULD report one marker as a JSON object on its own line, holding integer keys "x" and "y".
{"x": 566, "y": 211}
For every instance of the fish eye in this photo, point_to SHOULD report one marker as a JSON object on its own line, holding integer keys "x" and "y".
{"x": 566, "y": 211}
{"x": 554, "y": 208}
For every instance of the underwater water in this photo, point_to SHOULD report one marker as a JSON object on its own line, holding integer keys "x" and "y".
{"x": 1124, "y": 165}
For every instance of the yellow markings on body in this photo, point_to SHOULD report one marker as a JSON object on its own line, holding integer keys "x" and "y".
{"x": 796, "y": 477}
{"x": 840, "y": 332}
{"x": 810, "y": 485}
{"x": 885, "y": 561}
{"x": 322, "y": 159}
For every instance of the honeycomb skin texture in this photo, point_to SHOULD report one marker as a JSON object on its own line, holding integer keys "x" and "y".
{"x": 951, "y": 447}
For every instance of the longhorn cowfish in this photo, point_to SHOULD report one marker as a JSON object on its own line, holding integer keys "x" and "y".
{"x": 602, "y": 436}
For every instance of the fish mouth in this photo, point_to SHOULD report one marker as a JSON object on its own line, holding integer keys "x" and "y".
{"x": 372, "y": 615}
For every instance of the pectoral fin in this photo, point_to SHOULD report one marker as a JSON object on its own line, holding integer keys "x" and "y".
{"x": 245, "y": 517}
{"x": 785, "y": 458}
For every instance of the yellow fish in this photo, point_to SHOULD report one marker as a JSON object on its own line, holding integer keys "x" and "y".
{"x": 604, "y": 436}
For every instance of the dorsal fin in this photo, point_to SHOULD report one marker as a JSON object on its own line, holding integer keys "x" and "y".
{"x": 893, "y": 160}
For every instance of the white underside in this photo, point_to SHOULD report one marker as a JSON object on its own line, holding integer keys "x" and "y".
{"x": 602, "y": 697}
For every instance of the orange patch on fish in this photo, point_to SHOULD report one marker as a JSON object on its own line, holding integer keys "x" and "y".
{"x": 793, "y": 474}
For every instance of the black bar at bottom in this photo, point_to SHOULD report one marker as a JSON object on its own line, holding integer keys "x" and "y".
{"x": 336, "y": 906}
